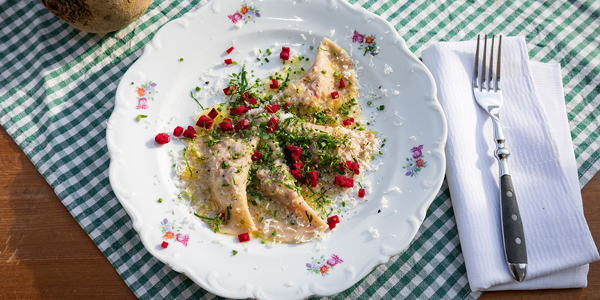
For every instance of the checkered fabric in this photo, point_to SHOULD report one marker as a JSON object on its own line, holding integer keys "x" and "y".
{"x": 57, "y": 89}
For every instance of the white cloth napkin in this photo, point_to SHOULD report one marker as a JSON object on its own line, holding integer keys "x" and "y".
{"x": 542, "y": 165}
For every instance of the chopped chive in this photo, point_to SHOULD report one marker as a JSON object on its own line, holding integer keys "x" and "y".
{"x": 293, "y": 222}
{"x": 192, "y": 94}
{"x": 234, "y": 252}
{"x": 181, "y": 59}
{"x": 160, "y": 200}
{"x": 274, "y": 233}
{"x": 197, "y": 89}
{"x": 187, "y": 163}
{"x": 324, "y": 71}
{"x": 140, "y": 117}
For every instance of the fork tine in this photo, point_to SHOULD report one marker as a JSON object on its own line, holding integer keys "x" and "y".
{"x": 475, "y": 75}
{"x": 498, "y": 64}
{"x": 490, "y": 84}
{"x": 483, "y": 62}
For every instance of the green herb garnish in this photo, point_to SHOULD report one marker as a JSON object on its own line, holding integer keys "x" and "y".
{"x": 187, "y": 163}
{"x": 192, "y": 94}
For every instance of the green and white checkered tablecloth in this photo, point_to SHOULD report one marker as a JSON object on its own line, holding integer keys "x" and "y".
{"x": 57, "y": 89}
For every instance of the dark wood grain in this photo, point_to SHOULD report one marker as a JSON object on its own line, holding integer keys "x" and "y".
{"x": 45, "y": 253}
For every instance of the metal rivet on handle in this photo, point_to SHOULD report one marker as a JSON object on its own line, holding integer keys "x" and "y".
{"x": 514, "y": 217}
{"x": 509, "y": 194}
{"x": 518, "y": 241}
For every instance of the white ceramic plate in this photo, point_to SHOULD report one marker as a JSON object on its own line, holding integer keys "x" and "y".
{"x": 141, "y": 171}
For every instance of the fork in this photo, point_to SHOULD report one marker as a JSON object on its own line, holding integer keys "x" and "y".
{"x": 487, "y": 92}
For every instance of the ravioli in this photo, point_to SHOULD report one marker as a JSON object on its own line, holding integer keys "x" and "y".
{"x": 272, "y": 174}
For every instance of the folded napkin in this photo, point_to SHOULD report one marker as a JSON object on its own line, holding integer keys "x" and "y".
{"x": 542, "y": 165}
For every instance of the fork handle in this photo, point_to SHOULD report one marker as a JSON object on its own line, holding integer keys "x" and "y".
{"x": 512, "y": 227}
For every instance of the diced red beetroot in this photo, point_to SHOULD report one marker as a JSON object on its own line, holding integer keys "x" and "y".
{"x": 242, "y": 125}
{"x": 228, "y": 61}
{"x": 205, "y": 122}
{"x": 162, "y": 138}
{"x": 242, "y": 109}
{"x": 297, "y": 174}
{"x": 333, "y": 221}
{"x": 222, "y": 216}
{"x": 256, "y": 156}
{"x": 344, "y": 181}
{"x": 298, "y": 165}
{"x": 285, "y": 49}
{"x": 178, "y": 131}
{"x": 213, "y": 114}
{"x": 284, "y": 55}
{"x": 347, "y": 165}
{"x": 313, "y": 177}
{"x": 361, "y": 193}
{"x": 272, "y": 108}
{"x": 226, "y": 125}
{"x": 247, "y": 97}
{"x": 335, "y": 95}
{"x": 228, "y": 90}
{"x": 348, "y": 122}
{"x": 286, "y": 106}
{"x": 348, "y": 182}
{"x": 271, "y": 125}
{"x": 342, "y": 83}
{"x": 164, "y": 244}
{"x": 229, "y": 50}
{"x": 244, "y": 237}
{"x": 295, "y": 152}
{"x": 355, "y": 167}
{"x": 238, "y": 111}
{"x": 190, "y": 132}
{"x": 274, "y": 85}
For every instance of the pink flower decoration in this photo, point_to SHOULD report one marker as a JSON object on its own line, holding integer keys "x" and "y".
{"x": 142, "y": 103}
{"x": 235, "y": 17}
{"x": 417, "y": 151}
{"x": 334, "y": 260}
{"x": 183, "y": 238}
{"x": 357, "y": 38}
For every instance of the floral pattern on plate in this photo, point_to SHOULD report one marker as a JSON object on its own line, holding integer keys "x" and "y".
{"x": 170, "y": 231}
{"x": 323, "y": 266}
{"x": 245, "y": 14}
{"x": 367, "y": 43}
{"x": 416, "y": 163}
{"x": 144, "y": 92}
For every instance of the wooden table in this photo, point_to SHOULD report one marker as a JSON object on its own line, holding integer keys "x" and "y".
{"x": 44, "y": 253}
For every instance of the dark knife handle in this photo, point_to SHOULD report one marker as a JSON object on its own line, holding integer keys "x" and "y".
{"x": 514, "y": 238}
